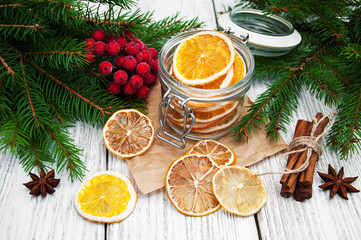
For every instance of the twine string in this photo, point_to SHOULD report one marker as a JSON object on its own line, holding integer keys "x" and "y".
{"x": 310, "y": 143}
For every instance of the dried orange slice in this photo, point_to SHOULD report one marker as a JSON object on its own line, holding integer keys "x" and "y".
{"x": 196, "y": 126}
{"x": 180, "y": 125}
{"x": 205, "y": 115}
{"x": 220, "y": 153}
{"x": 217, "y": 106}
{"x": 239, "y": 71}
{"x": 106, "y": 197}
{"x": 233, "y": 76}
{"x": 203, "y": 57}
{"x": 221, "y": 125}
{"x": 239, "y": 190}
{"x": 128, "y": 133}
{"x": 224, "y": 80}
{"x": 188, "y": 183}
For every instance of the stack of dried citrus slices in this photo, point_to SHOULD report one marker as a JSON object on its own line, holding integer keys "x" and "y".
{"x": 207, "y": 60}
{"x": 199, "y": 183}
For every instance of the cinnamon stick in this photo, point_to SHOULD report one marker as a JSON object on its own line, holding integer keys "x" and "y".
{"x": 306, "y": 177}
{"x": 292, "y": 179}
{"x": 320, "y": 128}
{"x": 303, "y": 128}
{"x": 287, "y": 192}
{"x": 302, "y": 193}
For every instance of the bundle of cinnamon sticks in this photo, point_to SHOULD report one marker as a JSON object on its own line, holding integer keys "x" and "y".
{"x": 300, "y": 184}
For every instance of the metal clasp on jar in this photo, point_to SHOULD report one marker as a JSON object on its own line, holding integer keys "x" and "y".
{"x": 185, "y": 111}
{"x": 244, "y": 37}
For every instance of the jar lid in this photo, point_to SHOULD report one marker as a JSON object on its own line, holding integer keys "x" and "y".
{"x": 267, "y": 35}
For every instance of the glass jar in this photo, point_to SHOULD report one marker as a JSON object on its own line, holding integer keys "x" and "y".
{"x": 199, "y": 113}
{"x": 269, "y": 35}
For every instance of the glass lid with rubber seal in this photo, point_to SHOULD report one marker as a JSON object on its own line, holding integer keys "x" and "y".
{"x": 267, "y": 35}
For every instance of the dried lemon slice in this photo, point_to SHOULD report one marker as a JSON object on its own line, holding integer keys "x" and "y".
{"x": 106, "y": 197}
{"x": 128, "y": 133}
{"x": 220, "y": 153}
{"x": 188, "y": 183}
{"x": 239, "y": 190}
{"x": 203, "y": 58}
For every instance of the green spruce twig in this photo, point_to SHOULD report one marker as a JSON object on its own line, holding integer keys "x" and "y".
{"x": 45, "y": 82}
{"x": 327, "y": 63}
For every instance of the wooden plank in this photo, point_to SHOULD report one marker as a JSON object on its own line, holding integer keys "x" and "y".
{"x": 23, "y": 216}
{"x": 155, "y": 217}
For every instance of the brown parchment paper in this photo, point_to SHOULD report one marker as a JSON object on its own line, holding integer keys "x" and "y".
{"x": 149, "y": 168}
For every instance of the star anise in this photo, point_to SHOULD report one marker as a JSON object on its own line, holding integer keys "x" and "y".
{"x": 337, "y": 183}
{"x": 43, "y": 184}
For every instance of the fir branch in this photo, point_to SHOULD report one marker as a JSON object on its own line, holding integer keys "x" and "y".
{"x": 335, "y": 34}
{"x": 280, "y": 114}
{"x": 165, "y": 29}
{"x": 6, "y": 100}
{"x": 12, "y": 143}
{"x": 256, "y": 114}
{"x": 183, "y": 30}
{"x": 327, "y": 63}
{"x": 11, "y": 5}
{"x": 63, "y": 149}
{"x": 8, "y": 69}
{"x": 70, "y": 52}
{"x": 169, "y": 25}
{"x": 66, "y": 153}
{"x": 346, "y": 135}
{"x": 107, "y": 22}
{"x": 353, "y": 52}
{"x": 28, "y": 93}
{"x": 36, "y": 154}
{"x": 355, "y": 123}
{"x": 124, "y": 4}
{"x": 67, "y": 5}
{"x": 72, "y": 91}
{"x": 334, "y": 9}
{"x": 324, "y": 64}
{"x": 45, "y": 82}
{"x": 323, "y": 86}
{"x": 12, "y": 136}
{"x": 77, "y": 53}
{"x": 119, "y": 20}
{"x": 37, "y": 159}
{"x": 90, "y": 71}
{"x": 55, "y": 111}
{"x": 35, "y": 27}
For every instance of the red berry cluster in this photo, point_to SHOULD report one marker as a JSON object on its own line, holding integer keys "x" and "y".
{"x": 133, "y": 64}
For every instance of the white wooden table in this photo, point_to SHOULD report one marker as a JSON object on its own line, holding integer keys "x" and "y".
{"x": 23, "y": 216}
